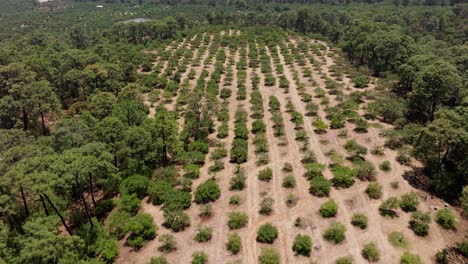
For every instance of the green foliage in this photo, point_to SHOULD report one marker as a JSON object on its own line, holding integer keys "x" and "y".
{"x": 116, "y": 223}
{"x": 265, "y": 174}
{"x": 199, "y": 257}
{"x": 409, "y": 202}
{"x": 269, "y": 256}
{"x": 302, "y": 245}
{"x": 387, "y": 207}
{"x": 328, "y": 208}
{"x": 192, "y": 171}
{"x": 234, "y": 243}
{"x": 135, "y": 184}
{"x": 176, "y": 220}
{"x": 374, "y": 190}
{"x": 235, "y": 200}
{"x": 359, "y": 220}
{"x": 344, "y": 260}
{"x": 237, "y": 181}
{"x": 237, "y": 220}
{"x": 360, "y": 81}
{"x": 239, "y": 150}
{"x": 319, "y": 186}
{"x": 463, "y": 247}
{"x": 208, "y": 191}
{"x": 446, "y": 219}
{"x": 335, "y": 233}
{"x": 267, "y": 233}
{"x": 464, "y": 200}
{"x": 385, "y": 166}
{"x": 397, "y": 239}
{"x": 371, "y": 252}
{"x": 142, "y": 229}
{"x": 266, "y": 206}
{"x": 355, "y": 149}
{"x": 158, "y": 260}
{"x": 204, "y": 234}
{"x": 130, "y": 203}
{"x": 343, "y": 176}
{"x": 289, "y": 182}
{"x": 408, "y": 258}
{"x": 365, "y": 170}
{"x": 168, "y": 243}
{"x": 419, "y": 223}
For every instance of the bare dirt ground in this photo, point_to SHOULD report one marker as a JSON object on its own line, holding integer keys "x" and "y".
{"x": 351, "y": 200}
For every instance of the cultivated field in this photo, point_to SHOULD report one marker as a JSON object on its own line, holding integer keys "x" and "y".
{"x": 289, "y": 122}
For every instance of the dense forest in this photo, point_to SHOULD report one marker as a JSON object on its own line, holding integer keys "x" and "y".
{"x": 80, "y": 147}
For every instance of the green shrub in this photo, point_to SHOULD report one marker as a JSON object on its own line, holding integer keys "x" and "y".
{"x": 397, "y": 239}
{"x": 463, "y": 247}
{"x": 258, "y": 126}
{"x": 204, "y": 234}
{"x": 199, "y": 258}
{"x": 291, "y": 200}
{"x": 359, "y": 220}
{"x": 269, "y": 256}
{"x": 192, "y": 171}
{"x": 168, "y": 243}
{"x": 266, "y": 206}
{"x": 335, "y": 233}
{"x": 265, "y": 174}
{"x": 329, "y": 208}
{"x": 135, "y": 184}
{"x": 116, "y": 224}
{"x": 270, "y": 80}
{"x": 237, "y": 220}
{"x": 235, "y": 200}
{"x": 409, "y": 202}
{"x": 343, "y": 176}
{"x": 199, "y": 146}
{"x": 239, "y": 150}
{"x": 374, "y": 190}
{"x": 302, "y": 245}
{"x": 158, "y": 260}
{"x": 237, "y": 182}
{"x": 408, "y": 258}
{"x": 419, "y": 223}
{"x": 360, "y": 81}
{"x": 344, "y": 260}
{"x": 313, "y": 169}
{"x": 387, "y": 207}
{"x": 371, "y": 252}
{"x": 267, "y": 233}
{"x": 385, "y": 166}
{"x": 208, "y": 191}
{"x": 287, "y": 167}
{"x": 130, "y": 203}
{"x": 218, "y": 153}
{"x": 176, "y": 220}
{"x": 355, "y": 149}
{"x": 289, "y": 182}
{"x": 225, "y": 93}
{"x": 319, "y": 186}
{"x": 234, "y": 243}
{"x": 141, "y": 228}
{"x": 365, "y": 170}
{"x": 446, "y": 219}
{"x": 176, "y": 199}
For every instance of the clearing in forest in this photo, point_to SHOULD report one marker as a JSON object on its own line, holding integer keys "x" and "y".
{"x": 293, "y": 146}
